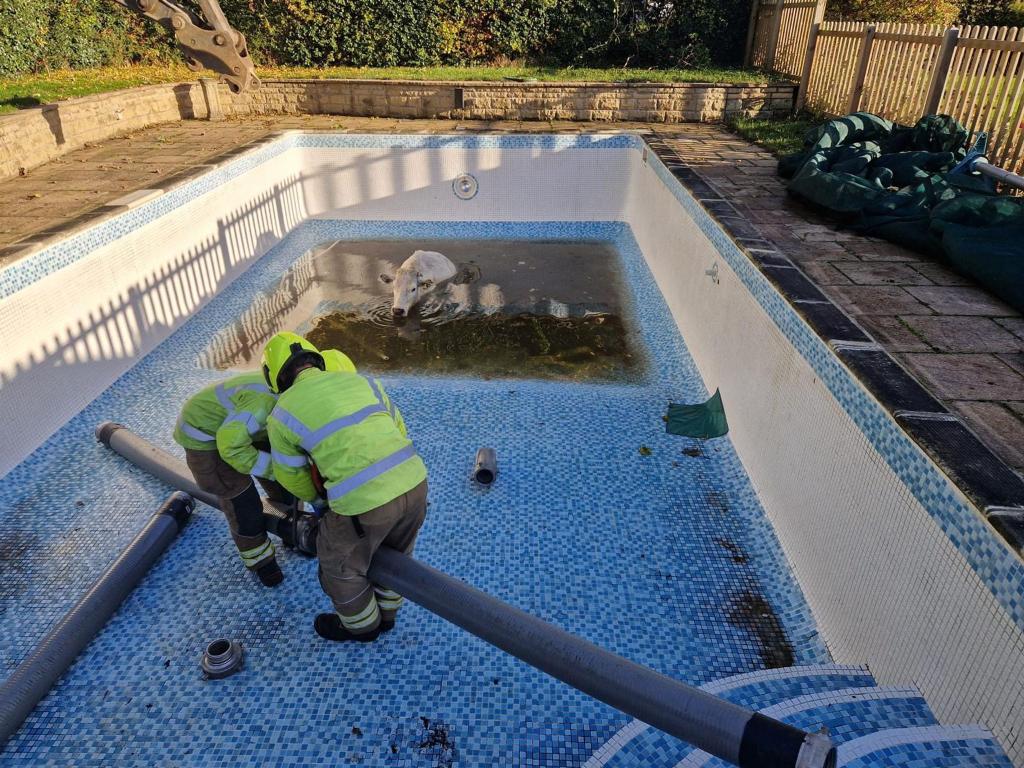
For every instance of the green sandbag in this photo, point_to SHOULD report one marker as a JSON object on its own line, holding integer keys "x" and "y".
{"x": 913, "y": 167}
{"x": 841, "y": 194}
{"x": 993, "y": 256}
{"x": 861, "y": 127}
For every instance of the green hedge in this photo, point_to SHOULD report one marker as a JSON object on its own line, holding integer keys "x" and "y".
{"x": 41, "y": 34}
{"x": 37, "y": 35}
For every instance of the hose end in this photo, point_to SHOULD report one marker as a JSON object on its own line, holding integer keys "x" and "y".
{"x": 106, "y": 429}
{"x": 178, "y": 506}
{"x": 817, "y": 751}
{"x": 486, "y": 467}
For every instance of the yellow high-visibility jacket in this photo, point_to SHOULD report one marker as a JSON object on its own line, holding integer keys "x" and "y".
{"x": 347, "y": 425}
{"x": 229, "y": 417}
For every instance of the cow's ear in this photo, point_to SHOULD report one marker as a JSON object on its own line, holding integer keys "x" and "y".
{"x": 425, "y": 283}
{"x": 386, "y": 278}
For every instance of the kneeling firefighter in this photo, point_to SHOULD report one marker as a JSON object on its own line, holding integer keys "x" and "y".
{"x": 345, "y": 427}
{"x": 223, "y": 429}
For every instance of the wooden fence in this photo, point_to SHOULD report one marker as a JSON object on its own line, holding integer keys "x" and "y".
{"x": 899, "y": 71}
{"x": 778, "y": 32}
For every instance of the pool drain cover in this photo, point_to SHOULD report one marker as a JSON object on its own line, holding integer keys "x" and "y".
{"x": 221, "y": 658}
{"x": 465, "y": 186}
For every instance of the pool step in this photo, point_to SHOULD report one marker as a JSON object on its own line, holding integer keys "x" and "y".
{"x": 937, "y": 746}
{"x": 637, "y": 744}
{"x": 870, "y": 724}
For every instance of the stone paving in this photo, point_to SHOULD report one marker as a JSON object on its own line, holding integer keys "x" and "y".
{"x": 964, "y": 345}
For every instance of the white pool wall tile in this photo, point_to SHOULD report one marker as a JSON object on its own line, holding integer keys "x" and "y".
{"x": 568, "y": 185}
{"x": 97, "y": 314}
{"x": 886, "y": 584}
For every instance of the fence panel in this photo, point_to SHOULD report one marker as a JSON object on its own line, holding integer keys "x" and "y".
{"x": 901, "y": 68}
{"x": 985, "y": 90}
{"x": 759, "y": 53}
{"x": 834, "y": 66}
{"x": 797, "y": 18}
{"x": 794, "y": 19}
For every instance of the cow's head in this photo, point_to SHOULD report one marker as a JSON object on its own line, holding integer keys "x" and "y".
{"x": 406, "y": 288}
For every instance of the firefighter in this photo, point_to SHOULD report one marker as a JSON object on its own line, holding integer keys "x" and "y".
{"x": 223, "y": 431}
{"x": 342, "y": 429}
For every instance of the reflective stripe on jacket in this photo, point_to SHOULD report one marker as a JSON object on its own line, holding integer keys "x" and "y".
{"x": 349, "y": 427}
{"x": 230, "y": 417}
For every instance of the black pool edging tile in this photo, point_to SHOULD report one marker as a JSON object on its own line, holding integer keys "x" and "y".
{"x": 969, "y": 463}
{"x": 886, "y": 379}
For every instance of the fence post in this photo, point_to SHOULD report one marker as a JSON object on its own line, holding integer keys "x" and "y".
{"x": 862, "y": 68}
{"x": 773, "y": 37}
{"x": 805, "y": 76}
{"x": 755, "y": 10}
{"x": 942, "y": 62}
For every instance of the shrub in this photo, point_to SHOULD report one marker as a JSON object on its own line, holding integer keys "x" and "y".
{"x": 38, "y": 35}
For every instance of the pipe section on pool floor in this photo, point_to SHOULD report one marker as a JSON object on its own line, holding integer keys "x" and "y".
{"x": 36, "y": 675}
{"x": 741, "y": 736}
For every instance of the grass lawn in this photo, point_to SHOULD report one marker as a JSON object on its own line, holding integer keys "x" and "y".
{"x": 32, "y": 90}
{"x": 780, "y": 137}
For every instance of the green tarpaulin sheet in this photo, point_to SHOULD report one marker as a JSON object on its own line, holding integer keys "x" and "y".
{"x": 704, "y": 420}
{"x": 895, "y": 182}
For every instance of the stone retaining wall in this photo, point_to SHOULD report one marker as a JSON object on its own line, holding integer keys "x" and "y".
{"x": 32, "y": 137}
{"x": 643, "y": 102}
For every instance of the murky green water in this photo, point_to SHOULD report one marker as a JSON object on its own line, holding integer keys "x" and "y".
{"x": 518, "y": 309}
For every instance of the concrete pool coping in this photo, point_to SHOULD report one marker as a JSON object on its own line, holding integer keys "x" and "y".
{"x": 907, "y": 310}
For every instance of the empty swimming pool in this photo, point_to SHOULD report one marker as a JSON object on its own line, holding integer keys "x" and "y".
{"x": 797, "y": 541}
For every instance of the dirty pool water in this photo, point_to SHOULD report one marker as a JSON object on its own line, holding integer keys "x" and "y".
{"x": 516, "y": 309}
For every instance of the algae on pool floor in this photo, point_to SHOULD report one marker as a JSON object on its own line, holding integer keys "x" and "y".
{"x": 552, "y": 309}
{"x": 584, "y": 347}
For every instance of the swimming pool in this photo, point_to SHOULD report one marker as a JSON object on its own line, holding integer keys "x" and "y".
{"x": 816, "y": 531}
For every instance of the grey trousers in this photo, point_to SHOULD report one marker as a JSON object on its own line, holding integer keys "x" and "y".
{"x": 345, "y": 557}
{"x": 239, "y": 502}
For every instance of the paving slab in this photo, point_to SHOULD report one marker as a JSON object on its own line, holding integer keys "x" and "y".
{"x": 881, "y": 273}
{"x": 960, "y": 300}
{"x": 967, "y": 377}
{"x": 877, "y": 300}
{"x": 894, "y": 333}
{"x": 963, "y": 334}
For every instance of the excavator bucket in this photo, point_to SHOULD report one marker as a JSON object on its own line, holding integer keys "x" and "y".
{"x": 207, "y": 41}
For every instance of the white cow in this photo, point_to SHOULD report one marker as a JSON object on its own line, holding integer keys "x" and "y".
{"x": 420, "y": 274}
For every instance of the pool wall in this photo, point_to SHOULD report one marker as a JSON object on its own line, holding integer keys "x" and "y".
{"x": 901, "y": 570}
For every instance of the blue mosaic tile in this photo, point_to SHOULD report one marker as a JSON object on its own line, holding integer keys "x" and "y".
{"x": 581, "y": 529}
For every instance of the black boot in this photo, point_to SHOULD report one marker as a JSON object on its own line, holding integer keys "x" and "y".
{"x": 329, "y": 627}
{"x": 269, "y": 573}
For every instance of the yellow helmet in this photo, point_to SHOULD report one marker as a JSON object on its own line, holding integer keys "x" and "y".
{"x": 337, "y": 361}
{"x": 283, "y": 354}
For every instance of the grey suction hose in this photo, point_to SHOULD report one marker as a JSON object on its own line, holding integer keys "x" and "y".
{"x": 738, "y": 735}
{"x": 157, "y": 462}
{"x": 34, "y": 677}
{"x": 299, "y": 533}
{"x": 724, "y": 729}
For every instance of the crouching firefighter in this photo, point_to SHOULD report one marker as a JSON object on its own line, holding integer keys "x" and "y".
{"x": 344, "y": 426}
{"x": 223, "y": 431}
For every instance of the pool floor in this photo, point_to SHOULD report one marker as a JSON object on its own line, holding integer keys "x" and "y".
{"x": 650, "y": 545}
